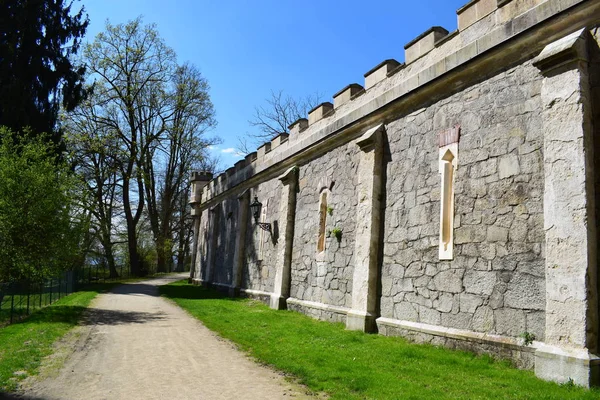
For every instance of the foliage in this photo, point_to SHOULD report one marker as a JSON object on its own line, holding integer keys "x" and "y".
{"x": 353, "y": 365}
{"x": 149, "y": 115}
{"x": 337, "y": 233}
{"x": 39, "y": 234}
{"x": 39, "y": 39}
{"x": 25, "y": 344}
{"x": 527, "y": 337}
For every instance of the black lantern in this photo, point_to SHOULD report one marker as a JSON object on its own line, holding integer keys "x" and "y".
{"x": 255, "y": 207}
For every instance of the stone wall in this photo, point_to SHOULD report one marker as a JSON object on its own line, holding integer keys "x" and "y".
{"x": 326, "y": 278}
{"x": 228, "y": 224}
{"x": 258, "y": 272}
{"x": 495, "y": 283}
{"x": 520, "y": 82}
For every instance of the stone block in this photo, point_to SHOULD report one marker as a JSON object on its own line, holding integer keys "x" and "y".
{"x": 346, "y": 94}
{"x": 278, "y": 140}
{"x": 406, "y": 311}
{"x": 497, "y": 234}
{"x": 473, "y": 11}
{"x": 479, "y": 282}
{"x": 319, "y": 112}
{"x": 379, "y": 72}
{"x": 483, "y": 320}
{"x": 297, "y": 127}
{"x": 510, "y": 322}
{"x": 262, "y": 150}
{"x": 563, "y": 365}
{"x": 469, "y": 302}
{"x": 423, "y": 43}
{"x": 526, "y": 292}
{"x": 450, "y": 281}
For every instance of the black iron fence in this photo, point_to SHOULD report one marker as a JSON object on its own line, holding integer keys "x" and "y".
{"x": 19, "y": 299}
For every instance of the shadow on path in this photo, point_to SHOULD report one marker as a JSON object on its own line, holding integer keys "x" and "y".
{"x": 98, "y": 316}
{"x": 14, "y": 396}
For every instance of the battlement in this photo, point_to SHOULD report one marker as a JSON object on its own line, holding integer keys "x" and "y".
{"x": 491, "y": 34}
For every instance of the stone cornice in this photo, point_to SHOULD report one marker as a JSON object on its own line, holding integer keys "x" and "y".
{"x": 564, "y": 51}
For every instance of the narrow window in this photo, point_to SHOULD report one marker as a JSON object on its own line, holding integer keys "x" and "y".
{"x": 322, "y": 222}
{"x": 262, "y": 233}
{"x": 447, "y": 166}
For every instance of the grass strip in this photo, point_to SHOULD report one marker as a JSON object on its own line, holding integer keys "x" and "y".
{"x": 353, "y": 365}
{"x": 23, "y": 345}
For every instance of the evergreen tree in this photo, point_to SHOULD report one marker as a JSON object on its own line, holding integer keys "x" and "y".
{"x": 37, "y": 40}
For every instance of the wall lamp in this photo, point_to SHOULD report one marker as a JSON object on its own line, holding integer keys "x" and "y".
{"x": 255, "y": 207}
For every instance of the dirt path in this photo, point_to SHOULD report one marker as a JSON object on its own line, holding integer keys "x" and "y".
{"x": 136, "y": 345}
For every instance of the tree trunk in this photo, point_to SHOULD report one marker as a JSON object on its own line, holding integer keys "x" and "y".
{"x": 161, "y": 256}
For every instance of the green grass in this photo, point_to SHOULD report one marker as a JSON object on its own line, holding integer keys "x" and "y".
{"x": 353, "y": 365}
{"x": 23, "y": 345}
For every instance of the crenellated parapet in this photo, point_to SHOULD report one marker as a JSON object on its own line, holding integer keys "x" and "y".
{"x": 491, "y": 34}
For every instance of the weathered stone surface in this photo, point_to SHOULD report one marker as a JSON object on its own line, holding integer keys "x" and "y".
{"x": 524, "y": 216}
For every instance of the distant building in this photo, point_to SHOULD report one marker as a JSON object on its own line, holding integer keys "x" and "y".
{"x": 450, "y": 200}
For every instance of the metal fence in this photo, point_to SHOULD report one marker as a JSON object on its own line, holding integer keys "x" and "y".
{"x": 19, "y": 299}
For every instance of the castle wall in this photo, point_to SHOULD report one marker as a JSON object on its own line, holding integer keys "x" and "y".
{"x": 495, "y": 284}
{"x": 325, "y": 277}
{"x": 452, "y": 200}
{"x": 259, "y": 268}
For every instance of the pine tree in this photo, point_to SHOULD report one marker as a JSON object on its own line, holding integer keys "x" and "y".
{"x": 37, "y": 41}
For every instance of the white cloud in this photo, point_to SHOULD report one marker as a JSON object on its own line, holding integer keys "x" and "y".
{"x": 228, "y": 150}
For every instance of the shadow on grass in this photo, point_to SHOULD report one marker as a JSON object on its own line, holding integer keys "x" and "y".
{"x": 190, "y": 292}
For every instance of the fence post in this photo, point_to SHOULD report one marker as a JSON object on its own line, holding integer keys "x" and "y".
{"x": 12, "y": 307}
{"x": 28, "y": 293}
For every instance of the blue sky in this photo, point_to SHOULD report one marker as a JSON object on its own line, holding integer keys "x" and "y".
{"x": 245, "y": 49}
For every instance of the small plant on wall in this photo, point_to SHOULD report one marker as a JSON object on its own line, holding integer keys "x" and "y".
{"x": 330, "y": 210}
{"x": 336, "y": 233}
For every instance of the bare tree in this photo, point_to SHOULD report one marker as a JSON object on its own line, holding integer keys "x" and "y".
{"x": 173, "y": 157}
{"x": 95, "y": 157}
{"x": 279, "y": 112}
{"x": 132, "y": 66}
{"x": 142, "y": 131}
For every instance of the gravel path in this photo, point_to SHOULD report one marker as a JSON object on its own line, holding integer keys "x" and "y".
{"x": 136, "y": 345}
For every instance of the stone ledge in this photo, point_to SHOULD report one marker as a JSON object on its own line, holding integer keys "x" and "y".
{"x": 264, "y": 297}
{"x": 559, "y": 365}
{"x": 471, "y": 336}
{"x": 318, "y": 306}
{"x": 320, "y": 311}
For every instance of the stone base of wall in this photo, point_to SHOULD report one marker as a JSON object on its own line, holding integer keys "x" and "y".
{"x": 324, "y": 312}
{"x": 494, "y": 345}
{"x": 264, "y": 297}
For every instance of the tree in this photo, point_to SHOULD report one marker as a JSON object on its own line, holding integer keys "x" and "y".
{"x": 94, "y": 154}
{"x": 39, "y": 229}
{"x": 37, "y": 41}
{"x": 154, "y": 114}
{"x": 131, "y": 65}
{"x": 173, "y": 156}
{"x": 275, "y": 117}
